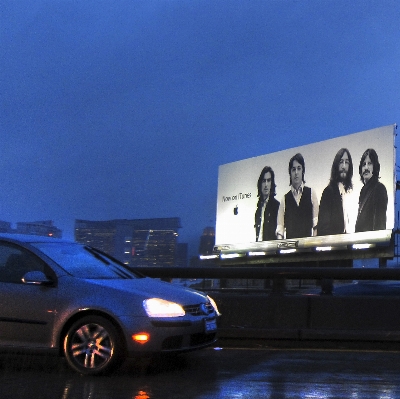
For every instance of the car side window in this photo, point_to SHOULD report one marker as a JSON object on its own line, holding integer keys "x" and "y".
{"x": 15, "y": 262}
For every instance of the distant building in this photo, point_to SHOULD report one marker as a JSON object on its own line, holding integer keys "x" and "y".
{"x": 5, "y": 227}
{"x": 135, "y": 242}
{"x": 207, "y": 241}
{"x": 40, "y": 228}
{"x": 100, "y": 235}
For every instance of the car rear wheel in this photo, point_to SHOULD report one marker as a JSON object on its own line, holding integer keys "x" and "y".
{"x": 92, "y": 346}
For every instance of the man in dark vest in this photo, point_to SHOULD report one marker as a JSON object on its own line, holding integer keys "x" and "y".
{"x": 267, "y": 206}
{"x": 298, "y": 210}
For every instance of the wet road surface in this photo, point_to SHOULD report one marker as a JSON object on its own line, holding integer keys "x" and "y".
{"x": 223, "y": 372}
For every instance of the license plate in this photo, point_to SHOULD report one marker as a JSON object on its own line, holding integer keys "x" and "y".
{"x": 211, "y": 325}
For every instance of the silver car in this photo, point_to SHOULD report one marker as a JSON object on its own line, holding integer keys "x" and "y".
{"x": 75, "y": 301}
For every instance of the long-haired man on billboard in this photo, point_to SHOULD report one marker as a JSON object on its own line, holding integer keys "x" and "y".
{"x": 298, "y": 210}
{"x": 267, "y": 206}
{"x": 334, "y": 210}
{"x": 373, "y": 199}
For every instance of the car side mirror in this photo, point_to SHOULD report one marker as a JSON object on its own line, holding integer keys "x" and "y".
{"x": 36, "y": 278}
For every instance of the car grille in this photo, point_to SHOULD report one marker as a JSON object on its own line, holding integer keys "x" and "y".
{"x": 199, "y": 310}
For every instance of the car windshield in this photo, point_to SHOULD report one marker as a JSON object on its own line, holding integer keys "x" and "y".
{"x": 83, "y": 261}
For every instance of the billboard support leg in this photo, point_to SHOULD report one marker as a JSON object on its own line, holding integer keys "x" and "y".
{"x": 278, "y": 286}
{"x": 382, "y": 262}
{"x": 326, "y": 286}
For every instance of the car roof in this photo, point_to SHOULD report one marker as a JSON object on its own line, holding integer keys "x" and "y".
{"x": 27, "y": 238}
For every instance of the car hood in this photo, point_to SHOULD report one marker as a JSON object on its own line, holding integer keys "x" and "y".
{"x": 150, "y": 288}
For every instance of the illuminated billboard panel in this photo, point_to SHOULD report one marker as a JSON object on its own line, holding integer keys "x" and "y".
{"x": 334, "y": 193}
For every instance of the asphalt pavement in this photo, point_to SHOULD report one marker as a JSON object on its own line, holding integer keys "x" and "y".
{"x": 251, "y": 370}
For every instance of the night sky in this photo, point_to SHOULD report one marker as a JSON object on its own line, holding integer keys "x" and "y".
{"x": 126, "y": 108}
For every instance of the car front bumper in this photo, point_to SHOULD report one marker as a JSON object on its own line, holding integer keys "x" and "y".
{"x": 169, "y": 335}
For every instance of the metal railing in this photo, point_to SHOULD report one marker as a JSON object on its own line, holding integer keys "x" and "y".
{"x": 272, "y": 272}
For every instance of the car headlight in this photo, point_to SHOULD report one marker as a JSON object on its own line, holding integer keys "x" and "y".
{"x": 214, "y": 305}
{"x": 156, "y": 307}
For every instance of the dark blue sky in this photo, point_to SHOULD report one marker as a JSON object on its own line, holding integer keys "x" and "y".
{"x": 125, "y": 108}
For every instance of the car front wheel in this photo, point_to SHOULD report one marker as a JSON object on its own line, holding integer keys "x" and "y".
{"x": 92, "y": 346}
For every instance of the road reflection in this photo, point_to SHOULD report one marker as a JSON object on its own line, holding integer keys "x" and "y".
{"x": 226, "y": 373}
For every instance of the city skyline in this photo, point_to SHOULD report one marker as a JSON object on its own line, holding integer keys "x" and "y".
{"x": 47, "y": 227}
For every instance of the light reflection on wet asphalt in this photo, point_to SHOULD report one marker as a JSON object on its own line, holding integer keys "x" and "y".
{"x": 226, "y": 373}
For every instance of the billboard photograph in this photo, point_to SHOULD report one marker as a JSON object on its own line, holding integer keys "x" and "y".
{"x": 333, "y": 194}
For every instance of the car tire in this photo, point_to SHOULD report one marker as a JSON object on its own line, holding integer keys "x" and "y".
{"x": 92, "y": 346}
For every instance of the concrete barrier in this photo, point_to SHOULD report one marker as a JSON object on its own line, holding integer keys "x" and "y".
{"x": 305, "y": 317}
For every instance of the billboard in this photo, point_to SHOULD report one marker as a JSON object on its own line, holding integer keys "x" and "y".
{"x": 333, "y": 194}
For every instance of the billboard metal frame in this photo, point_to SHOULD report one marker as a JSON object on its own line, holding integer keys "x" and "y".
{"x": 354, "y": 245}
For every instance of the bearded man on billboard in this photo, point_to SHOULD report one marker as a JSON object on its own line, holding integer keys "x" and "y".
{"x": 334, "y": 210}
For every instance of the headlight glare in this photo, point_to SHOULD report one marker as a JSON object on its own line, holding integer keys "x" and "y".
{"x": 156, "y": 307}
{"x": 214, "y": 305}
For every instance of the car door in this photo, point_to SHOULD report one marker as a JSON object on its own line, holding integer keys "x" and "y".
{"x": 26, "y": 311}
